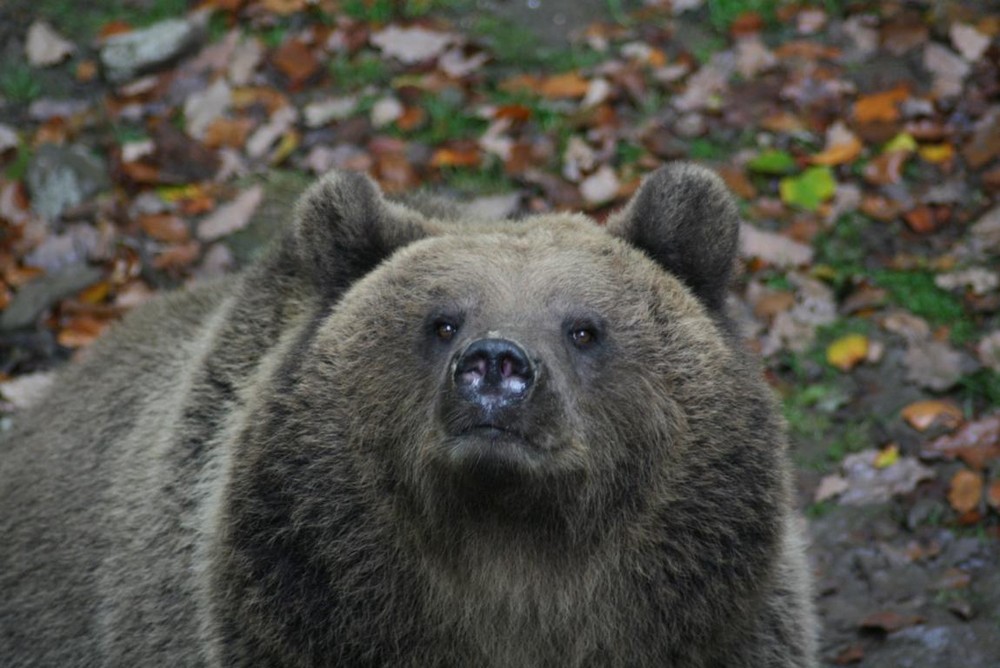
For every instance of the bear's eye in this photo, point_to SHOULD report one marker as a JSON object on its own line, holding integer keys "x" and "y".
{"x": 583, "y": 337}
{"x": 444, "y": 330}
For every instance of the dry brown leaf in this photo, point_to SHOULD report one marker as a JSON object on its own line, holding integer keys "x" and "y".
{"x": 568, "y": 85}
{"x": 232, "y": 216}
{"x": 965, "y": 491}
{"x": 889, "y": 621}
{"x": 180, "y": 255}
{"x": 993, "y": 495}
{"x": 231, "y": 132}
{"x": 295, "y": 60}
{"x": 165, "y": 227}
{"x": 880, "y": 107}
{"x": 922, "y": 415}
{"x": 977, "y": 443}
{"x": 284, "y": 7}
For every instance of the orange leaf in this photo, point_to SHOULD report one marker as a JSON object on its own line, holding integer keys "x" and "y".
{"x": 921, "y": 415}
{"x": 164, "y": 227}
{"x": 295, "y": 60}
{"x": 180, "y": 255}
{"x": 513, "y": 112}
{"x": 96, "y": 293}
{"x": 880, "y": 106}
{"x": 81, "y": 331}
{"x": 456, "y": 157}
{"x": 564, "y": 85}
{"x": 838, "y": 154}
{"x": 965, "y": 491}
{"x": 847, "y": 352}
{"x": 228, "y": 132}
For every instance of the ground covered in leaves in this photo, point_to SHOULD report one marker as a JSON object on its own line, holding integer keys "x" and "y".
{"x": 152, "y": 143}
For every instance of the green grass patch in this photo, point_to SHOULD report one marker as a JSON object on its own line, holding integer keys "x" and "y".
{"x": 703, "y": 148}
{"x": 489, "y": 179}
{"x": 19, "y": 84}
{"x": 843, "y": 249}
{"x": 722, "y": 13}
{"x": 916, "y": 292}
{"x": 447, "y": 119}
{"x": 68, "y": 17}
{"x": 981, "y": 387}
{"x": 351, "y": 74}
{"x": 516, "y": 48}
{"x": 18, "y": 167}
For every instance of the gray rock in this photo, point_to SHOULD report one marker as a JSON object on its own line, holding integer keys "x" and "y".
{"x": 31, "y": 300}
{"x": 60, "y": 177}
{"x": 127, "y": 55}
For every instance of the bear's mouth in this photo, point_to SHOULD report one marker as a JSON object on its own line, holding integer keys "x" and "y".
{"x": 493, "y": 448}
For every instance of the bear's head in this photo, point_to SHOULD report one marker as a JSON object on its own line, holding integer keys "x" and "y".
{"x": 547, "y": 382}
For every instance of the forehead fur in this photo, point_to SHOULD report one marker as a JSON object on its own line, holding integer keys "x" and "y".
{"x": 550, "y": 261}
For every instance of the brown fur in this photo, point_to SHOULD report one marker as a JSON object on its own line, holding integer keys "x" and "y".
{"x": 270, "y": 471}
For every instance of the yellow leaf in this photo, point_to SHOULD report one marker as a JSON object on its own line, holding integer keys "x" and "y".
{"x": 887, "y": 457}
{"x": 901, "y": 142}
{"x": 937, "y": 153}
{"x": 846, "y": 352}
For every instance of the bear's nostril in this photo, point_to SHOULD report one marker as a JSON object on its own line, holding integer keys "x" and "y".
{"x": 493, "y": 371}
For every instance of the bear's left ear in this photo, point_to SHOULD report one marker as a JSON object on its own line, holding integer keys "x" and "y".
{"x": 343, "y": 228}
{"x": 684, "y": 218}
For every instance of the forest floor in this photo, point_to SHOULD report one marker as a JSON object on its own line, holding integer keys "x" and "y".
{"x": 147, "y": 144}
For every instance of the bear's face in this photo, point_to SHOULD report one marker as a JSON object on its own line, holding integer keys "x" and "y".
{"x": 521, "y": 375}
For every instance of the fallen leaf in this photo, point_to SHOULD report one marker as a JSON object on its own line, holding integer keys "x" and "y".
{"x": 296, "y": 61}
{"x": 284, "y": 7}
{"x": 205, "y": 107}
{"x": 829, "y": 487}
{"x": 842, "y": 146}
{"x": 977, "y": 443}
{"x": 933, "y": 365}
{"x": 456, "y": 156}
{"x": 880, "y": 107}
{"x": 965, "y": 490}
{"x": 80, "y": 331}
{"x": 772, "y": 161}
{"x": 810, "y": 189}
{"x": 948, "y": 68}
{"x": 232, "y": 216}
{"x": 385, "y": 111}
{"x": 988, "y": 350}
{"x": 980, "y": 280}
{"x": 773, "y": 248}
{"x": 886, "y": 168}
{"x": 177, "y": 256}
{"x": 849, "y": 655}
{"x": 264, "y": 138}
{"x": 889, "y": 621}
{"x": 28, "y": 389}
{"x": 568, "y": 85}
{"x": 601, "y": 186}
{"x": 921, "y": 219}
{"x": 993, "y": 495}
{"x": 412, "y": 45}
{"x": 45, "y": 47}
{"x": 968, "y": 41}
{"x": 887, "y": 456}
{"x": 165, "y": 227}
{"x": 848, "y": 351}
{"x": 922, "y": 415}
{"x": 869, "y": 484}
{"x": 937, "y": 154}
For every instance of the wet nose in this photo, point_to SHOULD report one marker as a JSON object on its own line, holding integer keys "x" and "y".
{"x": 493, "y": 372}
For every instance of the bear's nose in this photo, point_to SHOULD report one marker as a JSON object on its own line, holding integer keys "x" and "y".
{"x": 493, "y": 373}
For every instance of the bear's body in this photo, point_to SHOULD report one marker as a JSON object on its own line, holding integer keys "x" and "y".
{"x": 408, "y": 441}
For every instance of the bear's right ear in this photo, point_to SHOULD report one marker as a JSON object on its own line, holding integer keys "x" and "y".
{"x": 684, "y": 218}
{"x": 343, "y": 228}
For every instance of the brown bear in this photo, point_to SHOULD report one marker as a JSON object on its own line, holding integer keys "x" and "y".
{"x": 410, "y": 438}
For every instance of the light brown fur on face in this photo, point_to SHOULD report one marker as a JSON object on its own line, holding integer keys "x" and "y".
{"x": 406, "y": 438}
